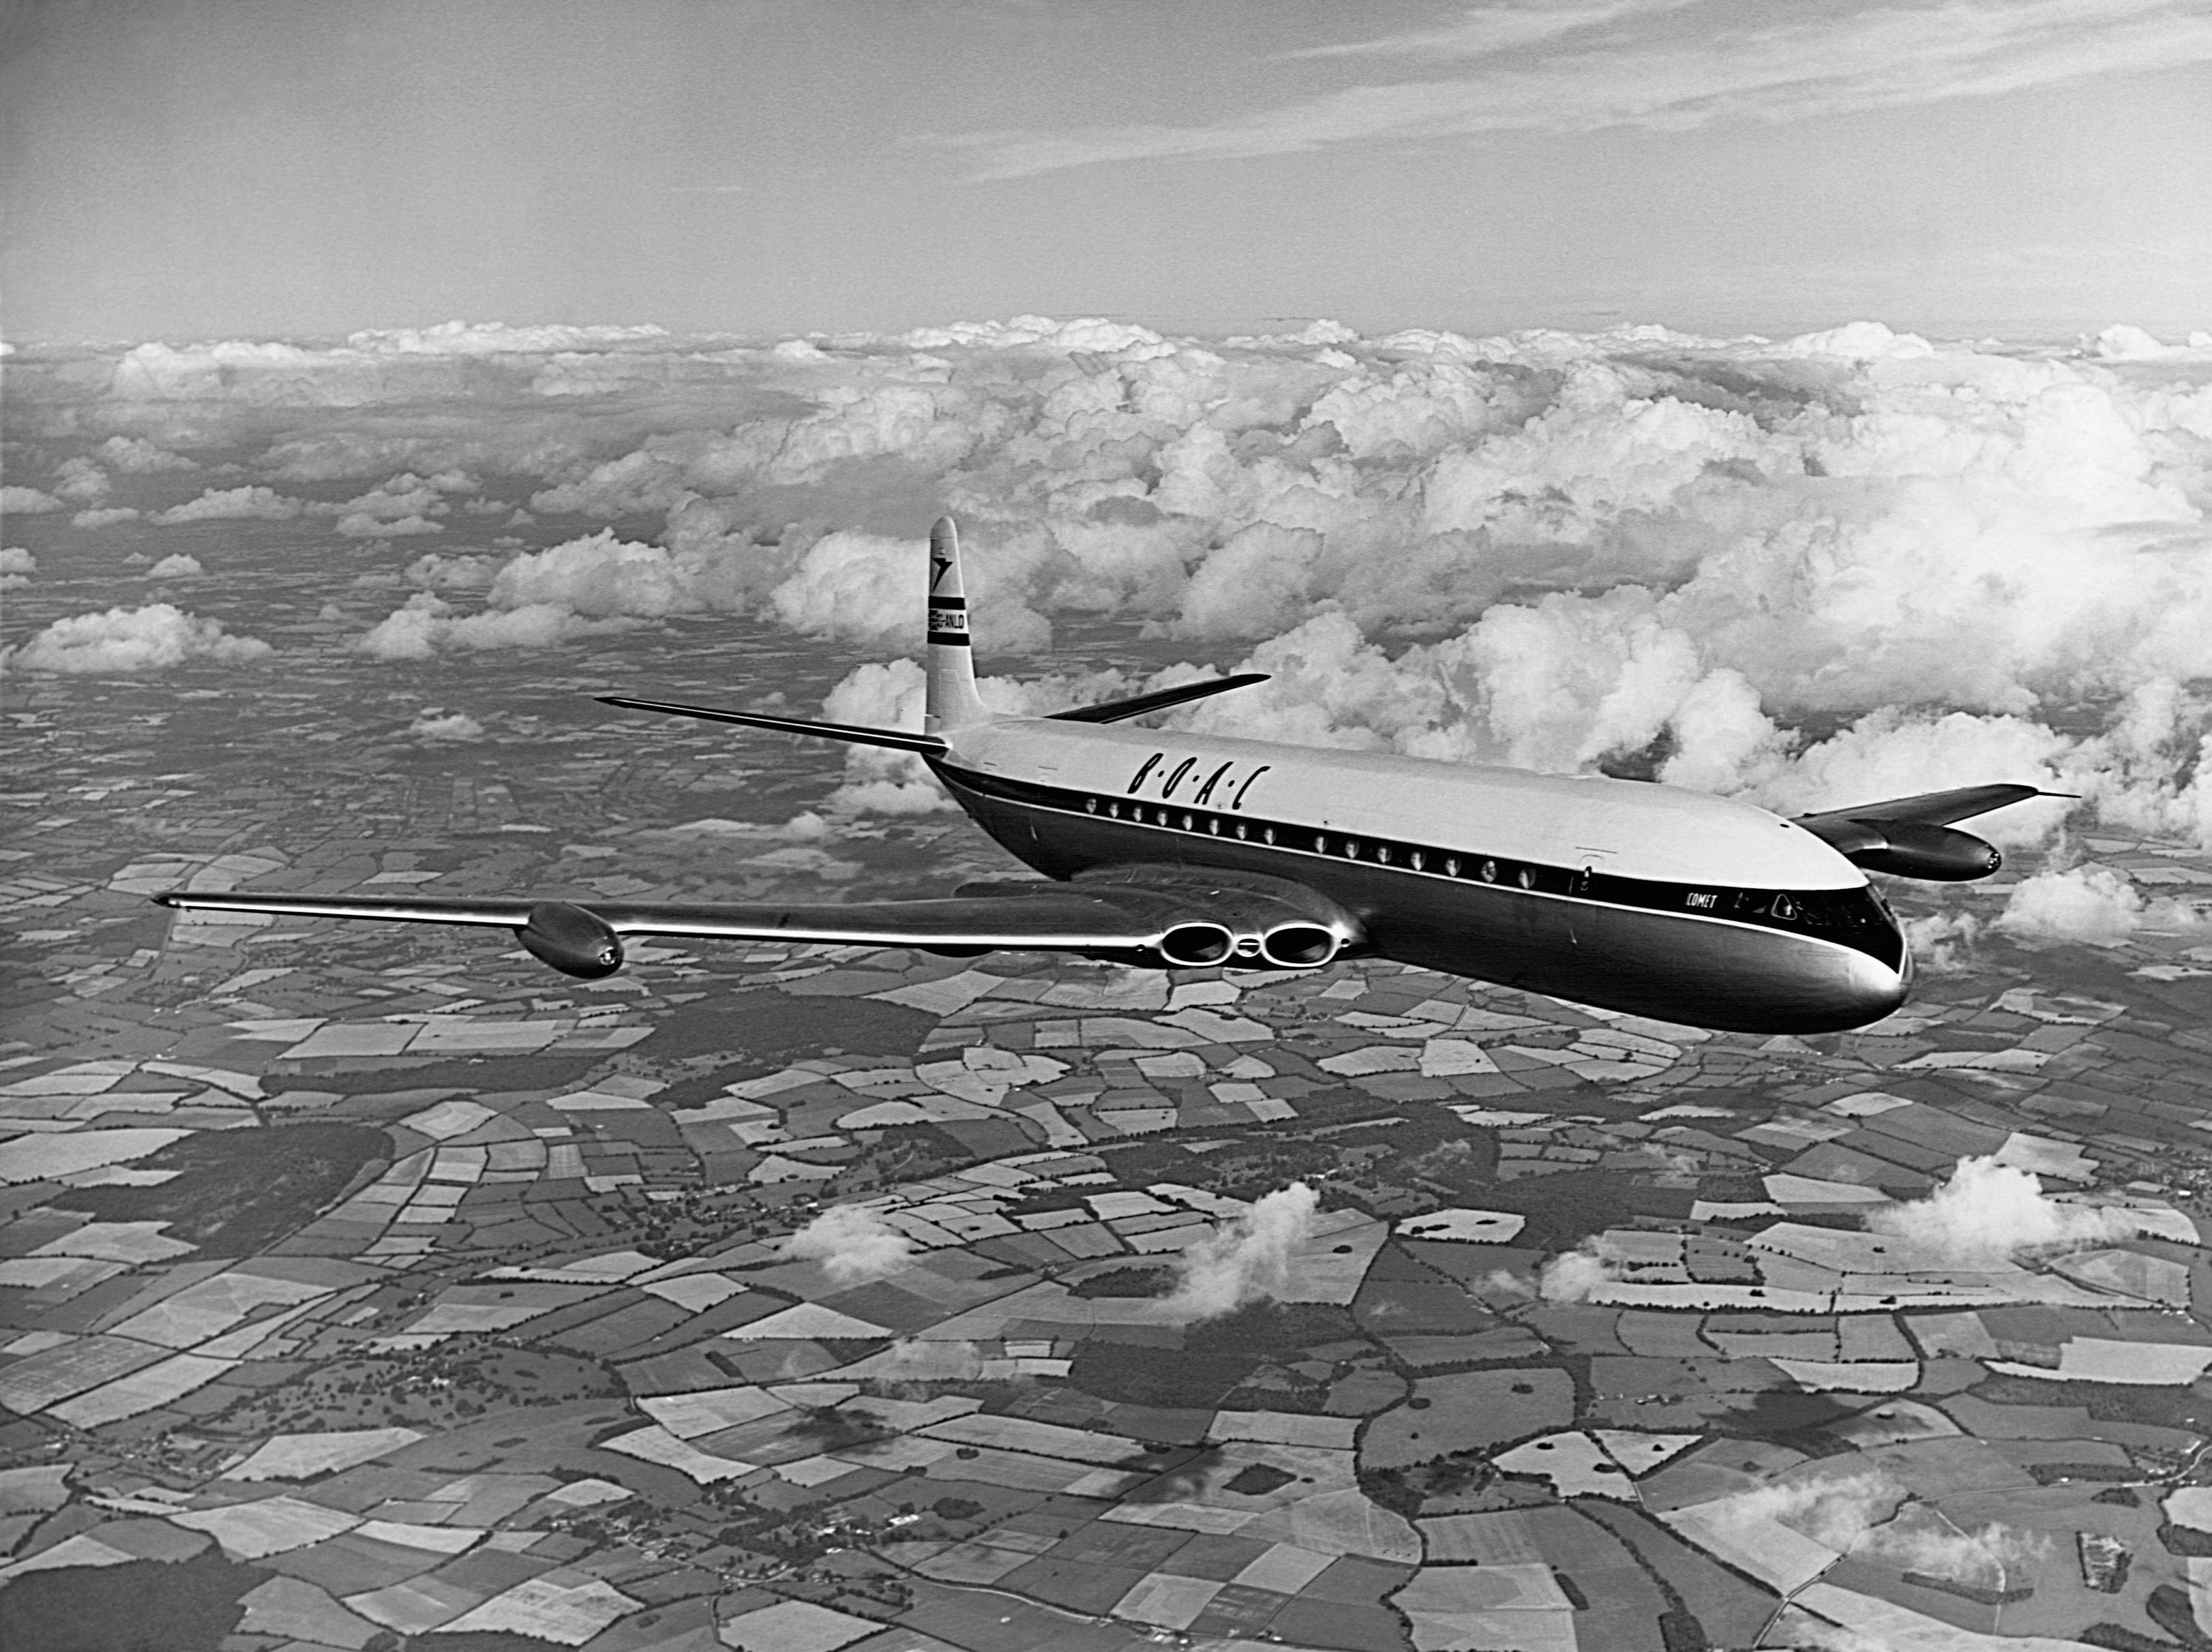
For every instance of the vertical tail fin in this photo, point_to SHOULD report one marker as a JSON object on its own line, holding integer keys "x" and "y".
{"x": 952, "y": 702}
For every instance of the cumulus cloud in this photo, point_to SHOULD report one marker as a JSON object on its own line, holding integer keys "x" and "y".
{"x": 854, "y": 1244}
{"x": 18, "y": 501}
{"x": 437, "y": 572}
{"x": 1809, "y": 572}
{"x": 16, "y": 567}
{"x": 152, "y": 638}
{"x": 135, "y": 457}
{"x": 1575, "y": 1275}
{"x": 1943, "y": 942}
{"x": 1921, "y": 1538}
{"x": 178, "y": 567}
{"x": 577, "y": 588}
{"x": 426, "y": 627}
{"x": 601, "y": 576}
{"x": 495, "y": 339}
{"x": 106, "y": 516}
{"x": 2091, "y": 904}
{"x": 1864, "y": 1514}
{"x": 359, "y": 524}
{"x": 1839, "y": 1511}
{"x": 400, "y": 507}
{"x": 80, "y": 481}
{"x": 879, "y": 781}
{"x": 248, "y": 503}
{"x": 856, "y": 586}
{"x": 434, "y": 725}
{"x": 1986, "y": 1213}
{"x": 1249, "y": 1258}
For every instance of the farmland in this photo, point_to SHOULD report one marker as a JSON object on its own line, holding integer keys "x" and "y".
{"x": 484, "y": 1324}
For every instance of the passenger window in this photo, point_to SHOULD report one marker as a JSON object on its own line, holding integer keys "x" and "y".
{"x": 1240, "y": 831}
{"x": 1526, "y": 878}
{"x": 1490, "y": 871}
{"x": 1090, "y": 805}
{"x": 1414, "y": 860}
{"x": 1451, "y": 866}
{"x": 1351, "y": 848}
{"x": 1268, "y": 836}
{"x": 1321, "y": 844}
{"x": 1383, "y": 854}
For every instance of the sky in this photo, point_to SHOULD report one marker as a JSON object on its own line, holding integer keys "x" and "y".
{"x": 184, "y": 169}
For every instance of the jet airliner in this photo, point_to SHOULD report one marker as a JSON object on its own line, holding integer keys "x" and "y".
{"x": 1171, "y": 850}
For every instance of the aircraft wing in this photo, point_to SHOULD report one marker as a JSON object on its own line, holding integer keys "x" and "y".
{"x": 1934, "y": 808}
{"x": 1133, "y": 922}
{"x": 1912, "y": 837}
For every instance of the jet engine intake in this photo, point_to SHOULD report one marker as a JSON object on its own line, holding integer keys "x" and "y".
{"x": 1248, "y": 920}
{"x": 574, "y": 941}
{"x": 1196, "y": 945}
{"x": 1300, "y": 945}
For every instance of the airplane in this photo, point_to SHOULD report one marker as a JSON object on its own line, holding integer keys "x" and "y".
{"x": 1169, "y": 850}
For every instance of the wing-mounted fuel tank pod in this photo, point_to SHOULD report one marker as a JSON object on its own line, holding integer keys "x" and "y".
{"x": 574, "y": 941}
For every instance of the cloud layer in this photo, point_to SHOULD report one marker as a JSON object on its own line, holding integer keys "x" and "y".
{"x": 1810, "y": 572}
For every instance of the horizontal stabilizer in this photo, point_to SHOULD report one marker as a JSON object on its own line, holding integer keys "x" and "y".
{"x": 897, "y": 739}
{"x": 1114, "y": 710}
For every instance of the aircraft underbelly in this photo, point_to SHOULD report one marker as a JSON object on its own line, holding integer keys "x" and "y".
{"x": 1667, "y": 966}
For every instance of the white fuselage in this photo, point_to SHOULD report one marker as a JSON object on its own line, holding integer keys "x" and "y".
{"x": 1641, "y": 897}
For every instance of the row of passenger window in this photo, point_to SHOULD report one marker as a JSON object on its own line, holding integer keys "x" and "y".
{"x": 1835, "y": 909}
{"x": 1551, "y": 880}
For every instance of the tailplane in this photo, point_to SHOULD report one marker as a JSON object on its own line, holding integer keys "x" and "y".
{"x": 952, "y": 702}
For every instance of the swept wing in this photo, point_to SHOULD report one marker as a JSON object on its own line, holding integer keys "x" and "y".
{"x": 1158, "y": 916}
{"x": 1912, "y": 837}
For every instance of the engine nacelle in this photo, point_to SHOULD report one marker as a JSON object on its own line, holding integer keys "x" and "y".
{"x": 1941, "y": 854}
{"x": 574, "y": 941}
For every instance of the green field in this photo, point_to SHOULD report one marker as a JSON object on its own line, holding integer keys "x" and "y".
{"x": 240, "y": 1191}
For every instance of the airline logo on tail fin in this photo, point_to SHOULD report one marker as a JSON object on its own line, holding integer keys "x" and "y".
{"x": 948, "y": 621}
{"x": 945, "y": 557}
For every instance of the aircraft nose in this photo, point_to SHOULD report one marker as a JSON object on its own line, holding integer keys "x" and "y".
{"x": 1876, "y": 990}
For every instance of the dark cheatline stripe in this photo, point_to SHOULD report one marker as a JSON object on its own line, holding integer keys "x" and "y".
{"x": 949, "y": 640}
